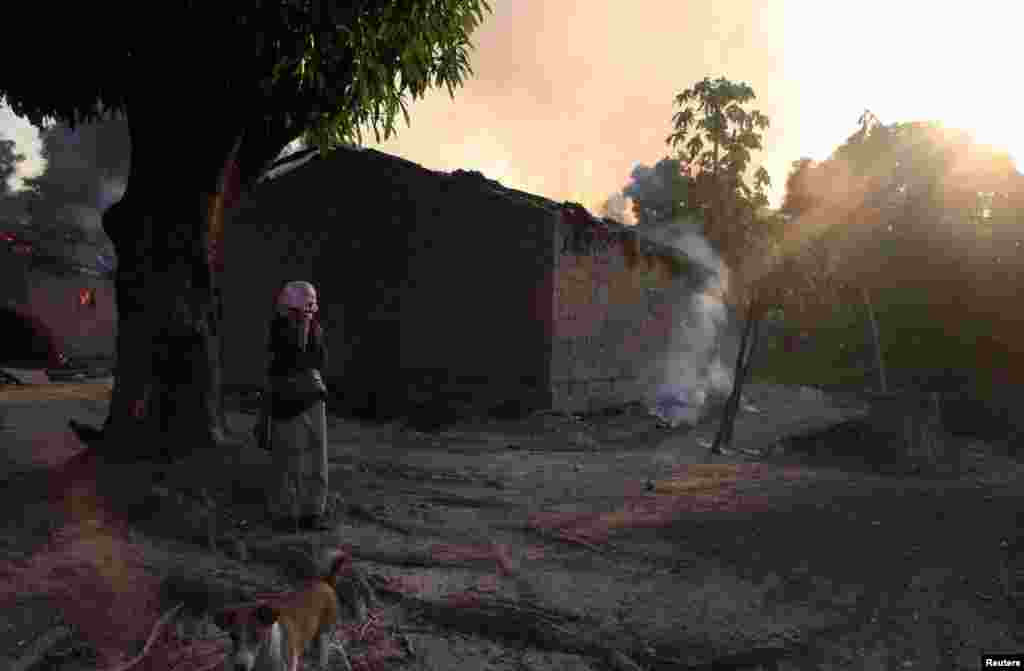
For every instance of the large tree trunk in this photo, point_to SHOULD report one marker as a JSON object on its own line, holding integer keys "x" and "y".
{"x": 166, "y": 397}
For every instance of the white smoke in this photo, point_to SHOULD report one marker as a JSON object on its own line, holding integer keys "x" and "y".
{"x": 111, "y": 191}
{"x": 685, "y": 236}
{"x": 618, "y": 208}
{"x": 27, "y": 142}
{"x": 693, "y": 369}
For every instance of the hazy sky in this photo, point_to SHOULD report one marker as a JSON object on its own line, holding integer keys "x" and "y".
{"x": 570, "y": 94}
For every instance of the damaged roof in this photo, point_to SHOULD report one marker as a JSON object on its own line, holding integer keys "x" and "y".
{"x": 645, "y": 245}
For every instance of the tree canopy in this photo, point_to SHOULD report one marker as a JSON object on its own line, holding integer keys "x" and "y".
{"x": 891, "y": 192}
{"x": 932, "y": 223}
{"x": 212, "y": 92}
{"x": 715, "y": 133}
{"x": 801, "y": 195}
{"x": 715, "y": 136}
{"x": 9, "y": 160}
{"x": 707, "y": 180}
{"x": 11, "y": 207}
{"x": 86, "y": 169}
{"x": 275, "y": 70}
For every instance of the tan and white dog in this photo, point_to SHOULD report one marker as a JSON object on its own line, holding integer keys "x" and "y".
{"x": 274, "y": 637}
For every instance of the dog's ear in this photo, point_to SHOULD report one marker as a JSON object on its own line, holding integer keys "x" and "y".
{"x": 224, "y": 619}
{"x": 338, "y": 565}
{"x": 266, "y": 615}
{"x": 340, "y": 562}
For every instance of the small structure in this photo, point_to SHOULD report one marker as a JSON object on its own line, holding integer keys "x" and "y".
{"x": 452, "y": 287}
{"x": 52, "y": 305}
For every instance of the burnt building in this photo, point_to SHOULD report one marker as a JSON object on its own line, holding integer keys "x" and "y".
{"x": 449, "y": 286}
{"x": 52, "y": 305}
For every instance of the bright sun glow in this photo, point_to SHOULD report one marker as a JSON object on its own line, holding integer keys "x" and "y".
{"x": 907, "y": 61}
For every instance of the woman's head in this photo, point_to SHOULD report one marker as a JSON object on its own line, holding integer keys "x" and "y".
{"x": 298, "y": 299}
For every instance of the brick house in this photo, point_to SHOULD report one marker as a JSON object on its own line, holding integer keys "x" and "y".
{"x": 52, "y": 305}
{"x": 437, "y": 285}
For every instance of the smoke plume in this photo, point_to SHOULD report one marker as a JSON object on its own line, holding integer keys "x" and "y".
{"x": 693, "y": 368}
{"x": 618, "y": 208}
{"x": 110, "y": 192}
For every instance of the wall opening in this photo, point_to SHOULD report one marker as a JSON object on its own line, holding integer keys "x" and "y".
{"x": 28, "y": 342}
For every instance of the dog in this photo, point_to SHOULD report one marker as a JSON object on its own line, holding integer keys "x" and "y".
{"x": 273, "y": 638}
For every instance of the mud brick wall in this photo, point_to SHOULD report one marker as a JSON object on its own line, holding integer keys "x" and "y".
{"x": 615, "y": 308}
{"x": 457, "y": 291}
{"x": 13, "y": 276}
{"x": 443, "y": 296}
{"x": 304, "y": 226}
{"x": 260, "y": 254}
{"x": 83, "y": 330}
{"x": 477, "y": 305}
{"x": 52, "y": 295}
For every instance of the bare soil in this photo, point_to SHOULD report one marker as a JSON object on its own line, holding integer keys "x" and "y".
{"x": 555, "y": 542}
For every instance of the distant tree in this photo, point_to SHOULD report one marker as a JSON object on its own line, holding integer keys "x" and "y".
{"x": 802, "y": 194}
{"x": 80, "y": 158}
{"x": 11, "y": 208}
{"x": 212, "y": 93}
{"x": 84, "y": 165}
{"x": 922, "y": 229}
{"x": 9, "y": 160}
{"x": 918, "y": 195}
{"x": 716, "y": 134}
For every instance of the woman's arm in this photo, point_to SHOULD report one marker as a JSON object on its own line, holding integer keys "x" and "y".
{"x": 285, "y": 351}
{"x": 321, "y": 348}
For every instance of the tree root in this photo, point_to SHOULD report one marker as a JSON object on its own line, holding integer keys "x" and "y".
{"x": 559, "y": 631}
{"x": 160, "y": 624}
{"x": 524, "y": 623}
{"x": 360, "y": 511}
{"x": 424, "y": 559}
{"x": 555, "y": 537}
{"x": 39, "y": 648}
{"x": 412, "y": 559}
{"x": 456, "y": 501}
{"x": 358, "y": 592}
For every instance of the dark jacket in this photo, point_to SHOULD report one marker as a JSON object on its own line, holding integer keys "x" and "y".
{"x": 287, "y": 358}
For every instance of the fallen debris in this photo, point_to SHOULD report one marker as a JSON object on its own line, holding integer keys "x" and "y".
{"x": 39, "y": 648}
{"x": 363, "y": 512}
{"x": 526, "y": 623}
{"x": 23, "y": 376}
{"x": 7, "y": 377}
{"x": 456, "y": 501}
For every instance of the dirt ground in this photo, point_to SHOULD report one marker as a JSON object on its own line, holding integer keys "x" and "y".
{"x": 556, "y": 542}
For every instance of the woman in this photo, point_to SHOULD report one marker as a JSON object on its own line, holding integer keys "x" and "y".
{"x": 298, "y": 423}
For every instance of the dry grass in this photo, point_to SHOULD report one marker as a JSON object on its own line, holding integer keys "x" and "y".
{"x": 56, "y": 391}
{"x": 94, "y": 576}
{"x": 701, "y": 477}
{"x": 694, "y": 488}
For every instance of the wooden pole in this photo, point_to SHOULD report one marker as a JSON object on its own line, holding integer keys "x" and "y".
{"x": 876, "y": 339}
{"x": 724, "y": 434}
{"x": 744, "y": 375}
